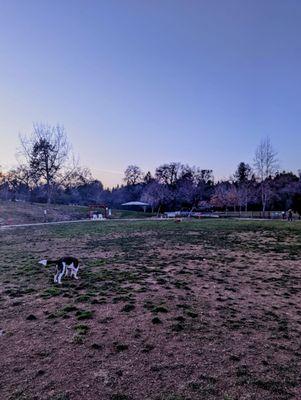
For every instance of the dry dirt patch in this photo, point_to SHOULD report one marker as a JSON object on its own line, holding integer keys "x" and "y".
{"x": 160, "y": 316}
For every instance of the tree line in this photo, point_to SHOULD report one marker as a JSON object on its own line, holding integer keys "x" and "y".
{"x": 48, "y": 172}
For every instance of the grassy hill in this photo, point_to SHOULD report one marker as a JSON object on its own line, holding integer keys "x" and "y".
{"x": 22, "y": 212}
{"x": 25, "y": 213}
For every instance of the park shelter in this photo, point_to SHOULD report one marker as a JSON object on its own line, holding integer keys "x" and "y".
{"x": 134, "y": 204}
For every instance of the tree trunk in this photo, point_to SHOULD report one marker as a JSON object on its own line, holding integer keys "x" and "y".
{"x": 263, "y": 199}
{"x": 48, "y": 194}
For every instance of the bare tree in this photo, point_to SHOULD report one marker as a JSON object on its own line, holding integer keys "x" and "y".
{"x": 133, "y": 175}
{"x": 266, "y": 165}
{"x": 148, "y": 178}
{"x": 3, "y": 186}
{"x": 14, "y": 184}
{"x": 77, "y": 177}
{"x": 156, "y": 195}
{"x": 2, "y": 176}
{"x": 168, "y": 173}
{"x": 220, "y": 196}
{"x": 47, "y": 155}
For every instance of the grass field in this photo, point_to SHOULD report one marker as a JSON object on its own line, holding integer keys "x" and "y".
{"x": 162, "y": 311}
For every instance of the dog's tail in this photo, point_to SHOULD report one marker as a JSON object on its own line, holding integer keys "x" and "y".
{"x": 46, "y": 262}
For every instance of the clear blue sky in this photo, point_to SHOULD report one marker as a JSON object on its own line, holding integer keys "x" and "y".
{"x": 148, "y": 82}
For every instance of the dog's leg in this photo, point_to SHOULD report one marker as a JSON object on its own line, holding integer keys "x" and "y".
{"x": 62, "y": 273}
{"x": 75, "y": 271}
{"x": 56, "y": 275}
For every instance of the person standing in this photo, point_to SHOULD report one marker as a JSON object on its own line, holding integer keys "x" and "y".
{"x": 289, "y": 215}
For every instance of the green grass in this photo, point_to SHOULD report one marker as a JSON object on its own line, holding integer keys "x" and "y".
{"x": 131, "y": 214}
{"x": 81, "y": 329}
{"x": 84, "y": 314}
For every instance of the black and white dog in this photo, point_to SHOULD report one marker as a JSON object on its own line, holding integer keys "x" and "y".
{"x": 64, "y": 267}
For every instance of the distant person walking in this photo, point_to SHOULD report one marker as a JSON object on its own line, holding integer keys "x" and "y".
{"x": 289, "y": 215}
{"x": 45, "y": 215}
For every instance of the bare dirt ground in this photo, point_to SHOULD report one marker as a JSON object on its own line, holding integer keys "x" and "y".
{"x": 162, "y": 311}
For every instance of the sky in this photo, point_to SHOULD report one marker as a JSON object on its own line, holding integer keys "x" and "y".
{"x": 147, "y": 82}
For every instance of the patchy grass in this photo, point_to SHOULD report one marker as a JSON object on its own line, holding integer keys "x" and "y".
{"x": 84, "y": 314}
{"x": 162, "y": 311}
{"x": 81, "y": 329}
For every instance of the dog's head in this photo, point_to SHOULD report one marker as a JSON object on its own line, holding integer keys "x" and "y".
{"x": 43, "y": 262}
